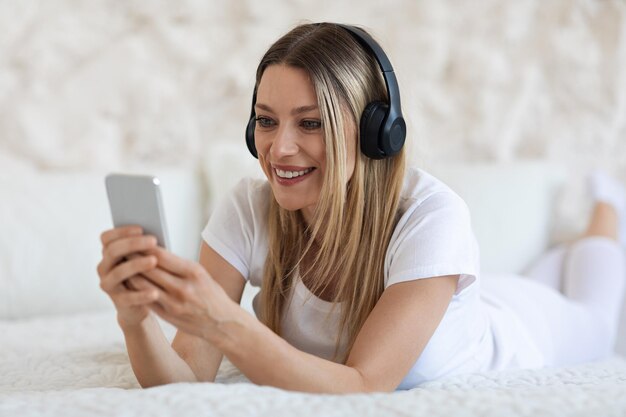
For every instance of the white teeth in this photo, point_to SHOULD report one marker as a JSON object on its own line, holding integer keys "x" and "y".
{"x": 292, "y": 174}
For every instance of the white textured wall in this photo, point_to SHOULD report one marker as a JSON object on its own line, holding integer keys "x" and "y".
{"x": 114, "y": 84}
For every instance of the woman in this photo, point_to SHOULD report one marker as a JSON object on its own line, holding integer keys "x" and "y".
{"x": 369, "y": 271}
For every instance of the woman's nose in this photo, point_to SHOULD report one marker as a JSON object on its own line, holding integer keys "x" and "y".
{"x": 284, "y": 143}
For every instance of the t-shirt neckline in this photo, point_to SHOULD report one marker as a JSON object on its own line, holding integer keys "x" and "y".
{"x": 306, "y": 295}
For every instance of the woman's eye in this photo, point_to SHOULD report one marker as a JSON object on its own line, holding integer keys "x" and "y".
{"x": 311, "y": 124}
{"x": 264, "y": 121}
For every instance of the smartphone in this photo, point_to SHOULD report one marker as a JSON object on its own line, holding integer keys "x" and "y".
{"x": 136, "y": 200}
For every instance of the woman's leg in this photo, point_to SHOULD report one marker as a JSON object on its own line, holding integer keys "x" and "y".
{"x": 548, "y": 269}
{"x": 594, "y": 277}
{"x": 595, "y": 272}
{"x": 604, "y": 222}
{"x": 581, "y": 323}
{"x": 564, "y": 331}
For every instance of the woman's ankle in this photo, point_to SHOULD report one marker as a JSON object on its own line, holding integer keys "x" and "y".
{"x": 609, "y": 211}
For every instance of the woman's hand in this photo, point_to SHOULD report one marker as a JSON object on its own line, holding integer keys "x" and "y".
{"x": 121, "y": 270}
{"x": 189, "y": 298}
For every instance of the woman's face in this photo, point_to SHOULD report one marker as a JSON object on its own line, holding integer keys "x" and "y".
{"x": 289, "y": 138}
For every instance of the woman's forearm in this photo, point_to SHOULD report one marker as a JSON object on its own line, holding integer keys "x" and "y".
{"x": 267, "y": 359}
{"x": 153, "y": 360}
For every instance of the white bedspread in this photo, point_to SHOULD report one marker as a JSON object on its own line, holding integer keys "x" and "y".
{"x": 77, "y": 366}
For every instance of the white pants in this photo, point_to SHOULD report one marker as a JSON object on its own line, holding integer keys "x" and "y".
{"x": 570, "y": 299}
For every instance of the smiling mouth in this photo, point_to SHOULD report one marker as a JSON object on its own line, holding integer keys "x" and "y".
{"x": 292, "y": 177}
{"x": 292, "y": 174}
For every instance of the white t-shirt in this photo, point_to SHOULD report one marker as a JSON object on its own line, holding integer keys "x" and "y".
{"x": 433, "y": 238}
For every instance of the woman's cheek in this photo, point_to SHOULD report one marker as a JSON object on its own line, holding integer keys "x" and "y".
{"x": 265, "y": 166}
{"x": 261, "y": 148}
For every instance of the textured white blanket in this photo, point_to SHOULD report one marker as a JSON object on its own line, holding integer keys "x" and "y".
{"x": 77, "y": 366}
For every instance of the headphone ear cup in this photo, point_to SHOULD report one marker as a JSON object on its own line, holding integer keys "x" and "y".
{"x": 371, "y": 127}
{"x": 250, "y": 136}
{"x": 392, "y": 135}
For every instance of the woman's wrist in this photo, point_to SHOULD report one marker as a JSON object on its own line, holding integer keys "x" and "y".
{"x": 134, "y": 326}
{"x": 231, "y": 335}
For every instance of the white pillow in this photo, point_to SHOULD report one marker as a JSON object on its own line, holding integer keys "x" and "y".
{"x": 50, "y": 227}
{"x": 511, "y": 205}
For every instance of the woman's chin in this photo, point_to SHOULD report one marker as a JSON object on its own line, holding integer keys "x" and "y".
{"x": 289, "y": 205}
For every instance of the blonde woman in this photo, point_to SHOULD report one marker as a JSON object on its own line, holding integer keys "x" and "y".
{"x": 368, "y": 271}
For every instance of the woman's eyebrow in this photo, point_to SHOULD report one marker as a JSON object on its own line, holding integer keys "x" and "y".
{"x": 303, "y": 109}
{"x": 295, "y": 111}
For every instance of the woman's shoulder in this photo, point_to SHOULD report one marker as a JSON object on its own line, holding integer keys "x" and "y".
{"x": 433, "y": 235}
{"x": 420, "y": 186}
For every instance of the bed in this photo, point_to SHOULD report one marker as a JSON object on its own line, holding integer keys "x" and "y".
{"x": 81, "y": 369}
{"x": 62, "y": 354}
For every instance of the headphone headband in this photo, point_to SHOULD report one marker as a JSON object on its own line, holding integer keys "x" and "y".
{"x": 383, "y": 62}
{"x": 382, "y": 127}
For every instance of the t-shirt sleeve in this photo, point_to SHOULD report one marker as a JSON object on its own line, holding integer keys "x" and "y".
{"x": 234, "y": 226}
{"x": 434, "y": 238}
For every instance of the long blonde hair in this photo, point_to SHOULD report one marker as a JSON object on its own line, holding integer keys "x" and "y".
{"x": 354, "y": 220}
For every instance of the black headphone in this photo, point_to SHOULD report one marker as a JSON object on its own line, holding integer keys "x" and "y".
{"x": 382, "y": 127}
